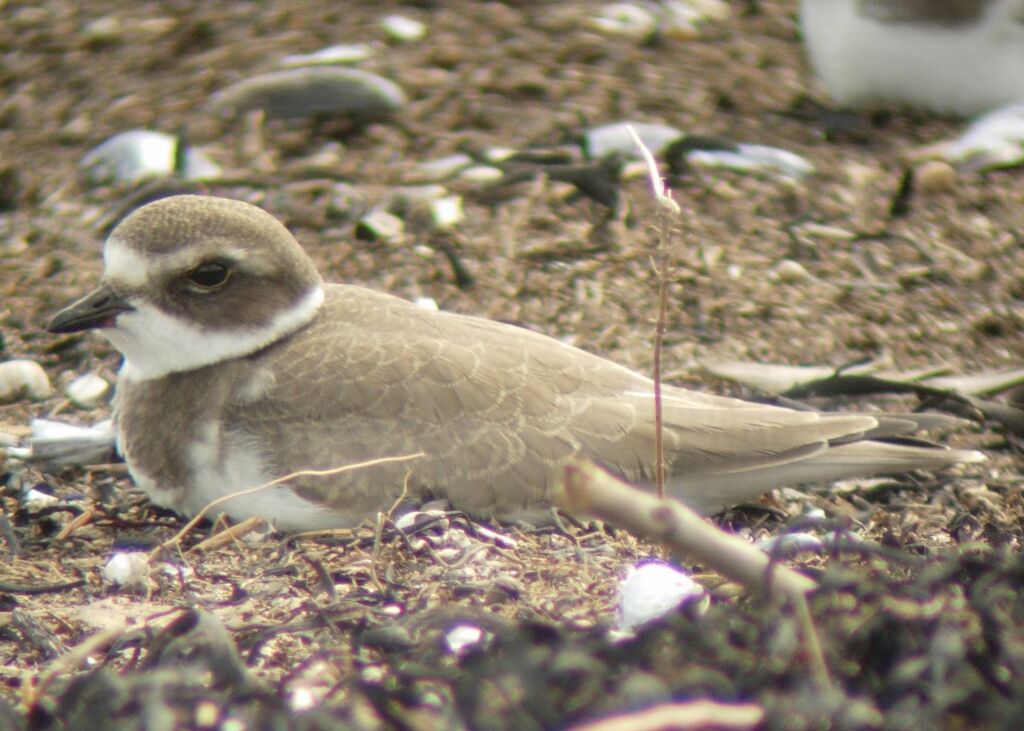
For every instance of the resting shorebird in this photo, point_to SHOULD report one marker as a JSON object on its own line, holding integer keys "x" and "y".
{"x": 949, "y": 56}
{"x": 241, "y": 365}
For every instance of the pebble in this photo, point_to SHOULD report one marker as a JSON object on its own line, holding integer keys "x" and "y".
{"x": 481, "y": 174}
{"x": 402, "y": 28}
{"x": 346, "y": 202}
{"x": 792, "y": 272}
{"x": 318, "y": 91}
{"x": 23, "y": 379}
{"x": 339, "y": 55}
{"x": 443, "y": 168}
{"x": 935, "y": 176}
{"x": 627, "y": 20}
{"x": 681, "y": 19}
{"x": 823, "y": 231}
{"x": 447, "y": 212}
{"x": 103, "y": 31}
{"x": 87, "y": 391}
{"x": 379, "y": 225}
{"x": 138, "y": 154}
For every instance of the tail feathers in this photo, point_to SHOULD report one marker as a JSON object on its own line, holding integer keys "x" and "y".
{"x": 893, "y": 425}
{"x": 710, "y": 493}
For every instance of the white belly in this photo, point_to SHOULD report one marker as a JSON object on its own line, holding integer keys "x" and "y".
{"x": 222, "y": 464}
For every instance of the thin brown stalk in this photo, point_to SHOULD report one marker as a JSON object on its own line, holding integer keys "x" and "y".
{"x": 668, "y": 212}
{"x": 174, "y": 540}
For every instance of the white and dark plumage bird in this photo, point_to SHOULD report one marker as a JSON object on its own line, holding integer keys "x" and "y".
{"x": 241, "y": 365}
{"x": 947, "y": 56}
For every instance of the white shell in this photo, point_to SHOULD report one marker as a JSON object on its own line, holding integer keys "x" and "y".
{"x": 403, "y": 28}
{"x": 317, "y": 91}
{"x": 651, "y": 590}
{"x": 58, "y": 444}
{"x": 447, "y": 212}
{"x": 625, "y": 19}
{"x": 23, "y": 379}
{"x": 127, "y": 568}
{"x": 331, "y": 56}
{"x": 462, "y": 637}
{"x": 379, "y": 225}
{"x": 87, "y": 391}
{"x": 747, "y": 158}
{"x": 599, "y": 142}
{"x": 444, "y": 167}
{"x": 142, "y": 153}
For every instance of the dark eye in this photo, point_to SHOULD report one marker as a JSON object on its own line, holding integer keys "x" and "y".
{"x": 208, "y": 277}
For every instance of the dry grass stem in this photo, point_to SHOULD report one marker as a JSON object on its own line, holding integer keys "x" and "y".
{"x": 681, "y": 717}
{"x": 668, "y": 212}
{"x": 587, "y": 490}
{"x": 174, "y": 540}
{"x": 229, "y": 534}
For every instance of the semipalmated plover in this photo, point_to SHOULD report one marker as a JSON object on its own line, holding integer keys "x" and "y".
{"x": 949, "y": 56}
{"x": 242, "y": 365}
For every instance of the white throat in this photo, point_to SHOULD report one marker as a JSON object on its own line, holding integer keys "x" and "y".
{"x": 155, "y": 344}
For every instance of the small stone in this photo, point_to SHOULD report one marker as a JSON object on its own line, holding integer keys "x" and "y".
{"x": 379, "y": 225}
{"x": 443, "y": 168}
{"x": 346, "y": 202}
{"x": 30, "y": 17}
{"x": 626, "y": 19}
{"x": 87, "y": 391}
{"x": 681, "y": 19}
{"x": 403, "y": 29}
{"x": 935, "y": 176}
{"x": 447, "y": 212}
{"x": 207, "y": 714}
{"x": 823, "y": 231}
{"x": 331, "y": 56}
{"x": 481, "y": 174}
{"x": 102, "y": 32}
{"x": 23, "y": 379}
{"x": 792, "y": 272}
{"x": 310, "y": 92}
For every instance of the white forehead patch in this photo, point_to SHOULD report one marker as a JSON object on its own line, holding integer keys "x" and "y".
{"x": 123, "y": 264}
{"x": 155, "y": 343}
